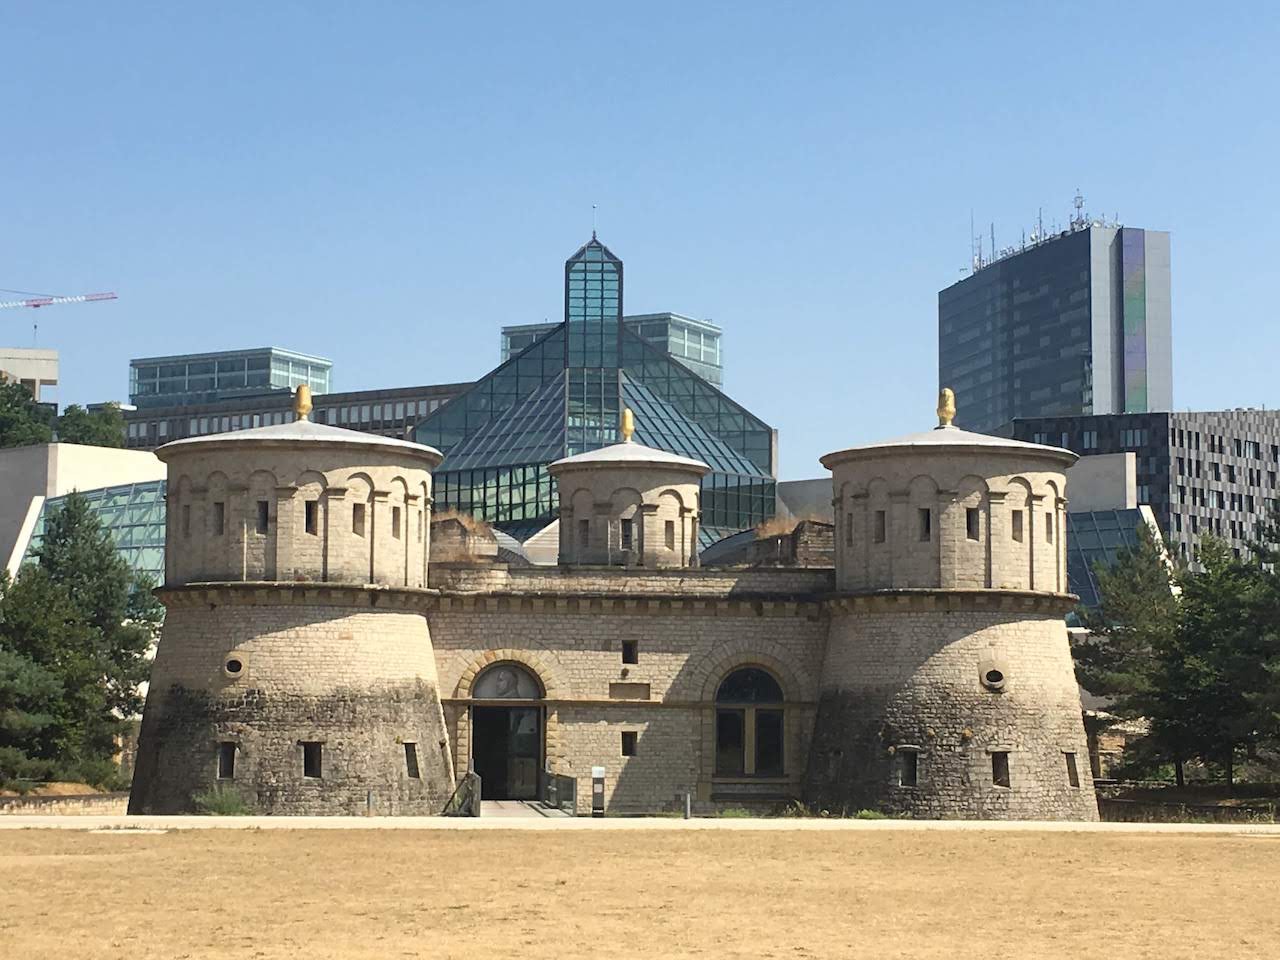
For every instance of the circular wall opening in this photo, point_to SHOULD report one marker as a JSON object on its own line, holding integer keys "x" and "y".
{"x": 233, "y": 666}
{"x": 994, "y": 678}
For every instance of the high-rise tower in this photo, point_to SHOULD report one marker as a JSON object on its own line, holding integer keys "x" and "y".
{"x": 1076, "y": 324}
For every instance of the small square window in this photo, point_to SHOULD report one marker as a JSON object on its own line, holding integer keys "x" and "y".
{"x": 219, "y": 518}
{"x": 925, "y": 516}
{"x": 630, "y": 651}
{"x": 880, "y": 527}
{"x": 311, "y": 511}
{"x": 357, "y": 519}
{"x": 1073, "y": 774}
{"x": 630, "y": 739}
{"x": 411, "y": 761}
{"x": 226, "y": 760}
{"x": 264, "y": 516}
{"x": 311, "y": 767}
{"x": 1000, "y": 768}
{"x": 971, "y": 523}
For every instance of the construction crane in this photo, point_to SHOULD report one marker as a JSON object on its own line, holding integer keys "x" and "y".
{"x": 38, "y": 300}
{"x": 49, "y": 301}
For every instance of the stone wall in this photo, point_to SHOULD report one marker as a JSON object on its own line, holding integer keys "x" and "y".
{"x": 613, "y": 582}
{"x": 952, "y": 677}
{"x": 684, "y": 650}
{"x": 330, "y": 516}
{"x": 267, "y": 668}
{"x": 80, "y": 805}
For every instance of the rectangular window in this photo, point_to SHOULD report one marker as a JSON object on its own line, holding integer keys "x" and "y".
{"x": 908, "y": 768}
{"x": 880, "y": 526}
{"x": 630, "y": 651}
{"x": 1017, "y": 525}
{"x": 395, "y": 522}
{"x": 669, "y": 534}
{"x": 1073, "y": 775}
{"x": 226, "y": 760}
{"x": 219, "y": 518}
{"x": 1000, "y": 768}
{"x": 186, "y": 519}
{"x": 311, "y": 516}
{"x": 357, "y": 519}
{"x": 630, "y": 739}
{"x": 419, "y": 526}
{"x": 769, "y": 743}
{"x": 848, "y": 529}
{"x": 925, "y": 516}
{"x": 411, "y": 761}
{"x": 626, "y": 535}
{"x": 1048, "y": 527}
{"x": 264, "y": 516}
{"x": 584, "y": 533}
{"x": 971, "y": 523}
{"x": 311, "y": 760}
{"x": 730, "y": 742}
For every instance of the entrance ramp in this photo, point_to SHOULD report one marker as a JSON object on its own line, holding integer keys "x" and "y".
{"x": 518, "y": 810}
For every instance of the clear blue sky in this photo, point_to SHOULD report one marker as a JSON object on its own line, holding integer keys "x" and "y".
{"x": 387, "y": 184}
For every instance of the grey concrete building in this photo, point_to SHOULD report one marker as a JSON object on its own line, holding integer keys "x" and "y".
{"x": 1210, "y": 472}
{"x": 1072, "y": 324}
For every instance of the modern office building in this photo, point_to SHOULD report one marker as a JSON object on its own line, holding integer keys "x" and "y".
{"x": 34, "y": 369}
{"x": 563, "y": 395}
{"x": 1213, "y": 472}
{"x": 197, "y": 378}
{"x": 125, "y": 488}
{"x": 1074, "y": 324}
{"x": 691, "y": 343}
{"x": 388, "y": 413}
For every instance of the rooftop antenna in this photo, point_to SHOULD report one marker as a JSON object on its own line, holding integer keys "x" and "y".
{"x": 993, "y": 239}
{"x": 593, "y": 221}
{"x": 1078, "y": 219}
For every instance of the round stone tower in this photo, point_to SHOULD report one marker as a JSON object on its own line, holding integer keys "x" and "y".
{"x": 629, "y": 505}
{"x": 294, "y": 667}
{"x": 948, "y": 688}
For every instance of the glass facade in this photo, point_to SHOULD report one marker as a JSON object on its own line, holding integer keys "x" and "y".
{"x": 694, "y": 344}
{"x": 1015, "y": 338}
{"x": 563, "y": 394}
{"x": 1095, "y": 538}
{"x": 133, "y": 514}
{"x": 1076, "y": 324}
{"x": 208, "y": 377}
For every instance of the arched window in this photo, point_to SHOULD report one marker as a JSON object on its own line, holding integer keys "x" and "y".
{"x": 749, "y": 725}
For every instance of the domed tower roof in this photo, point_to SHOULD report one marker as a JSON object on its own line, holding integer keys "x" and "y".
{"x": 628, "y": 454}
{"x": 301, "y": 431}
{"x": 945, "y": 438}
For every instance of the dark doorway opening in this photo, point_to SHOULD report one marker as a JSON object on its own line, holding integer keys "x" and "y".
{"x": 506, "y": 751}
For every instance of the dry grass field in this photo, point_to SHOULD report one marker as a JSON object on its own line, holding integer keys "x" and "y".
{"x": 652, "y": 894}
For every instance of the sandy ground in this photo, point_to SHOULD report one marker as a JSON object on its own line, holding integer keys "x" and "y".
{"x": 653, "y": 894}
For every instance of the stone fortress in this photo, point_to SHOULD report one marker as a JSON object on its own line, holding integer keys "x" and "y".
{"x": 315, "y": 661}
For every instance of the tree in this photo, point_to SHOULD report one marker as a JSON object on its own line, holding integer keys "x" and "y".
{"x": 1129, "y": 639}
{"x": 1266, "y": 554}
{"x": 1216, "y": 677}
{"x": 98, "y": 428}
{"x": 22, "y": 421}
{"x": 75, "y": 628}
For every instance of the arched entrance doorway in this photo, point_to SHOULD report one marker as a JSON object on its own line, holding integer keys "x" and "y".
{"x": 507, "y": 732}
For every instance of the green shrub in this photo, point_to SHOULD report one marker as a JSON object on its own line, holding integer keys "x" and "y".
{"x": 870, "y": 815}
{"x": 221, "y": 801}
{"x": 734, "y": 813}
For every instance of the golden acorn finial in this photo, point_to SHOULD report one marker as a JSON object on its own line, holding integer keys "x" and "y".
{"x": 302, "y": 402}
{"x": 946, "y": 407}
{"x": 628, "y": 425}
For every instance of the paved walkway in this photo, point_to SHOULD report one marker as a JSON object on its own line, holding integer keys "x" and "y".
{"x": 518, "y": 810}
{"x": 521, "y": 821}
